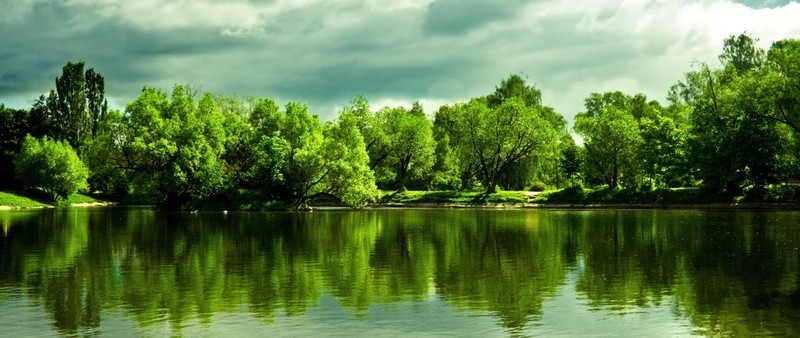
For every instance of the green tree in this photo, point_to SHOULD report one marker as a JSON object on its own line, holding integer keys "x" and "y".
{"x": 611, "y": 137}
{"x": 411, "y": 145}
{"x": 13, "y": 128}
{"x": 52, "y": 166}
{"x": 778, "y": 84}
{"x": 371, "y": 127}
{"x": 741, "y": 53}
{"x": 500, "y": 137}
{"x": 738, "y": 142}
{"x": 105, "y": 162}
{"x": 172, "y": 147}
{"x": 81, "y": 104}
{"x": 514, "y": 86}
{"x": 662, "y": 150}
{"x": 571, "y": 162}
{"x": 326, "y": 160}
{"x": 266, "y": 117}
{"x": 453, "y": 169}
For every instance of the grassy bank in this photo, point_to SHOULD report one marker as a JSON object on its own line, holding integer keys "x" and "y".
{"x": 666, "y": 197}
{"x": 453, "y": 197}
{"x": 21, "y": 199}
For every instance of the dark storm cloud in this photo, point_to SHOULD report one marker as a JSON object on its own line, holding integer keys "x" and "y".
{"x": 461, "y": 16}
{"x": 325, "y": 52}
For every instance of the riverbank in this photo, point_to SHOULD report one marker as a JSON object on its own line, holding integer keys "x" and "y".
{"x": 783, "y": 198}
{"x": 13, "y": 200}
{"x": 573, "y": 198}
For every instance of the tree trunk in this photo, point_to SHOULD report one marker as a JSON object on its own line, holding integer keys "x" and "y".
{"x": 491, "y": 187}
{"x": 401, "y": 175}
{"x": 614, "y": 177}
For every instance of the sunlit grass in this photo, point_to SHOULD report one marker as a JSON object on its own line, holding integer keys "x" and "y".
{"x": 33, "y": 200}
{"x": 12, "y": 199}
{"x": 455, "y": 197}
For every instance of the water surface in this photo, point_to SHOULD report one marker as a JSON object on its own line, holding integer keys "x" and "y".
{"x": 132, "y": 272}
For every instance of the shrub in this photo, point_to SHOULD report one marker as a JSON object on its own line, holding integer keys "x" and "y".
{"x": 538, "y": 186}
{"x": 442, "y": 181}
{"x": 52, "y": 166}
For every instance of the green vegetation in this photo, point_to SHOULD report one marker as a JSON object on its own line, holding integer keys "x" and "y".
{"x": 38, "y": 199}
{"x": 577, "y": 195}
{"x": 733, "y": 131}
{"x": 728, "y": 273}
{"x": 51, "y": 166}
{"x": 454, "y": 197}
{"x": 18, "y": 200}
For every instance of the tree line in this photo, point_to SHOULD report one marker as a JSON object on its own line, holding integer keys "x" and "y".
{"x": 732, "y": 129}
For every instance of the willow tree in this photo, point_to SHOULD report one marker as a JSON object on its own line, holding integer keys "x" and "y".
{"x": 326, "y": 159}
{"x": 410, "y": 147}
{"x": 497, "y": 138}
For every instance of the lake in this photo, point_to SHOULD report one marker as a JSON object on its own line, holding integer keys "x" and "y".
{"x": 141, "y": 272}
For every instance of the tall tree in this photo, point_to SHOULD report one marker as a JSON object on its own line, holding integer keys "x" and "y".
{"x": 371, "y": 126}
{"x": 410, "y": 145}
{"x": 172, "y": 146}
{"x": 662, "y": 150}
{"x": 451, "y": 164}
{"x": 13, "y": 128}
{"x": 515, "y": 86}
{"x": 498, "y": 138}
{"x": 79, "y": 105}
{"x": 326, "y": 160}
{"x": 611, "y": 137}
{"x": 742, "y": 53}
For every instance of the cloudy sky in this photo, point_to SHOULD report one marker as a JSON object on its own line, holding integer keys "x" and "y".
{"x": 394, "y": 52}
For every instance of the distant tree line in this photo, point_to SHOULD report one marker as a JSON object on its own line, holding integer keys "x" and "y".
{"x": 733, "y": 129}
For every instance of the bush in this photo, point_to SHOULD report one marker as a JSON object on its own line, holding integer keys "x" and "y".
{"x": 538, "y": 186}
{"x": 52, "y": 166}
{"x": 442, "y": 181}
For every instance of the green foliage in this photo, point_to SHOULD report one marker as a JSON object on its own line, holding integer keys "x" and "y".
{"x": 514, "y": 86}
{"x": 737, "y": 143}
{"x": 454, "y": 197}
{"x": 17, "y": 199}
{"x": 410, "y": 144}
{"x": 611, "y": 139}
{"x": 52, "y": 166}
{"x": 442, "y": 181}
{"x": 13, "y": 128}
{"x": 538, "y": 186}
{"x": 349, "y": 176}
{"x": 577, "y": 195}
{"x": 330, "y": 160}
{"x": 663, "y": 150}
{"x": 497, "y": 138}
{"x": 735, "y": 130}
{"x": 172, "y": 147}
{"x": 270, "y": 160}
{"x": 571, "y": 163}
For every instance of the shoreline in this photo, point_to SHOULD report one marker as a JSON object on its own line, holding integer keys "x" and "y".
{"x": 499, "y": 205}
{"x": 703, "y": 206}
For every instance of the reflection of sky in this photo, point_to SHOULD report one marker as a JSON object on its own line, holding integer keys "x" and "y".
{"x": 568, "y": 314}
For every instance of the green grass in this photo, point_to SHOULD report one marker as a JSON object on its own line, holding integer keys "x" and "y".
{"x": 77, "y": 198}
{"x": 22, "y": 199}
{"x": 676, "y": 196}
{"x": 453, "y": 197}
{"x": 14, "y": 199}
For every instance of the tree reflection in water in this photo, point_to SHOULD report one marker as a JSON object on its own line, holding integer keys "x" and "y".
{"x": 728, "y": 273}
